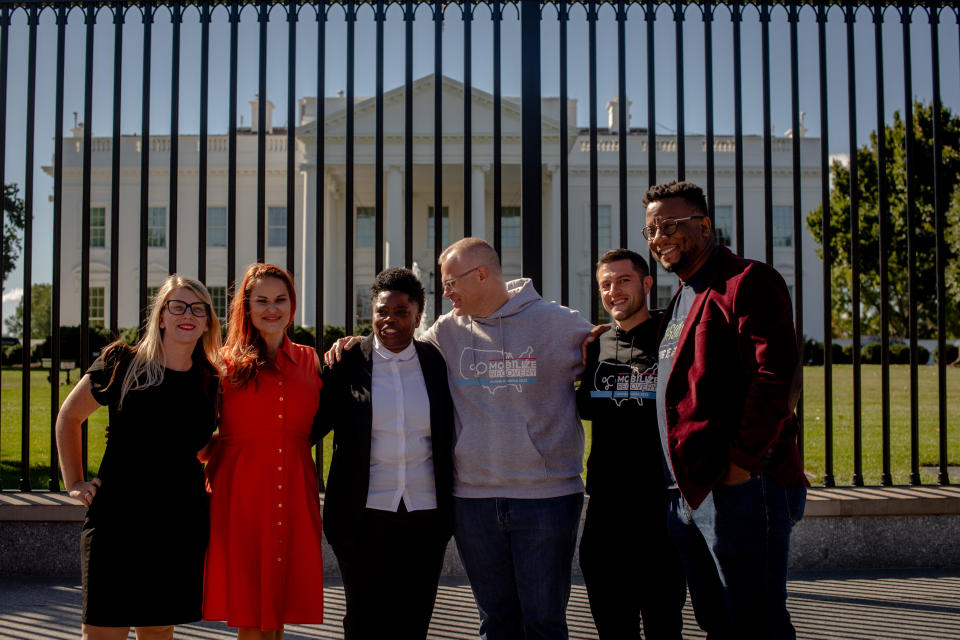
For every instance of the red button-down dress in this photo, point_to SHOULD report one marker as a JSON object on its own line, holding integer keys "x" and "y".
{"x": 264, "y": 561}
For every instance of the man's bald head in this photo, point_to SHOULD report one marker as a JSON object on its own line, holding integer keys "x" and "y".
{"x": 475, "y": 250}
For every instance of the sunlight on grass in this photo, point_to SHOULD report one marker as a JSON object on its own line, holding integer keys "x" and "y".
{"x": 814, "y": 442}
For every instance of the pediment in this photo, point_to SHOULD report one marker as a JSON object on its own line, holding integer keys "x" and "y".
{"x": 423, "y": 111}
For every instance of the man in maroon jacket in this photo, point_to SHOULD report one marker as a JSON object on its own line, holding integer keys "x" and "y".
{"x": 728, "y": 385}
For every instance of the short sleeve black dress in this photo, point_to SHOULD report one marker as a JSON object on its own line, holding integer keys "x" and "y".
{"x": 145, "y": 534}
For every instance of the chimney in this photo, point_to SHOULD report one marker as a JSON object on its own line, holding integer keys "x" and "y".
{"x": 255, "y": 115}
{"x": 613, "y": 114}
{"x": 77, "y": 129}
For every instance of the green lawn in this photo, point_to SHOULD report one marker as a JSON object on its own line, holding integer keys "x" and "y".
{"x": 10, "y": 433}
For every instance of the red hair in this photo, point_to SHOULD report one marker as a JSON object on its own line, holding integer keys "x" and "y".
{"x": 243, "y": 349}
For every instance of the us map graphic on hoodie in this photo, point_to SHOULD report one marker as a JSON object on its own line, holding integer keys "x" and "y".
{"x": 623, "y": 382}
{"x": 494, "y": 370}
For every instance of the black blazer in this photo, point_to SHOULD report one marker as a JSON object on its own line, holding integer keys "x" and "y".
{"x": 345, "y": 408}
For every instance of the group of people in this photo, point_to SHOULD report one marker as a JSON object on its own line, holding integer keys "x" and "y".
{"x": 470, "y": 430}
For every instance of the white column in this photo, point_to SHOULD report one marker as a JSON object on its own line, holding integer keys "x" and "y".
{"x": 333, "y": 254}
{"x": 394, "y": 215}
{"x": 551, "y": 240}
{"x": 308, "y": 249}
{"x": 478, "y": 200}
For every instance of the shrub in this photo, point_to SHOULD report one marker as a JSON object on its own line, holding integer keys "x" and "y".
{"x": 871, "y": 353}
{"x": 99, "y": 337}
{"x": 12, "y": 355}
{"x": 812, "y": 352}
{"x": 330, "y": 335}
{"x": 899, "y": 354}
{"x": 305, "y": 335}
{"x": 923, "y": 355}
{"x": 130, "y": 335}
{"x": 950, "y": 351}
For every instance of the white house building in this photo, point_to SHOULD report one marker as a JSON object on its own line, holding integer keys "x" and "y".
{"x": 333, "y": 131}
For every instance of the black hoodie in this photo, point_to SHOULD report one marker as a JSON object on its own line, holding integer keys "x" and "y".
{"x": 618, "y": 394}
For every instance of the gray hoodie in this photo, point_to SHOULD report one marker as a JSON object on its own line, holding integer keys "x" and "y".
{"x": 511, "y": 375}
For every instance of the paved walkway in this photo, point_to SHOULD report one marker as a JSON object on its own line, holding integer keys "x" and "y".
{"x": 874, "y": 605}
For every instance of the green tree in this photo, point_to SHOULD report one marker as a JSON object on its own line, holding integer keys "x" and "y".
{"x": 838, "y": 253}
{"x": 39, "y": 314}
{"x": 12, "y": 226}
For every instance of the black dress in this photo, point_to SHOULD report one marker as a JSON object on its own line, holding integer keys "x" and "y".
{"x": 145, "y": 534}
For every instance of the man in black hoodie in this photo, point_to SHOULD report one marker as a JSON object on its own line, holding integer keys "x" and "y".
{"x": 629, "y": 565}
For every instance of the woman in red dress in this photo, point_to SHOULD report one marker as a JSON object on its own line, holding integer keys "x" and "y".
{"x": 264, "y": 562}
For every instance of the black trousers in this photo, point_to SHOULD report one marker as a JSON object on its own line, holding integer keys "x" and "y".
{"x": 631, "y": 569}
{"x": 390, "y": 575}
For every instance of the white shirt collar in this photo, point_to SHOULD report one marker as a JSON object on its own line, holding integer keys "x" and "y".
{"x": 409, "y": 352}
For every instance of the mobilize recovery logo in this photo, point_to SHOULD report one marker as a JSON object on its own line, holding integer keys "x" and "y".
{"x": 493, "y": 369}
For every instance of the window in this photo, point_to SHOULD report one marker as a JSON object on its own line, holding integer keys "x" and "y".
{"x": 603, "y": 228}
{"x": 783, "y": 226}
{"x": 363, "y": 307}
{"x": 98, "y": 227}
{"x": 510, "y": 227}
{"x": 366, "y": 226}
{"x": 216, "y": 226}
{"x": 276, "y": 226}
{"x": 723, "y": 225}
{"x": 219, "y": 297}
{"x": 151, "y": 293}
{"x": 445, "y": 225}
{"x": 157, "y": 227}
{"x": 664, "y": 294}
{"x": 96, "y": 306}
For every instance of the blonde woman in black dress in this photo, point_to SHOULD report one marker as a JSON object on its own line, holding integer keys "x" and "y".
{"x": 142, "y": 557}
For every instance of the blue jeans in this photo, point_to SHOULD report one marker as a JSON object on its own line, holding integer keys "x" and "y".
{"x": 518, "y": 555}
{"x": 734, "y": 548}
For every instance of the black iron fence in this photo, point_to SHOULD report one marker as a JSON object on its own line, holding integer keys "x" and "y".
{"x": 651, "y": 40}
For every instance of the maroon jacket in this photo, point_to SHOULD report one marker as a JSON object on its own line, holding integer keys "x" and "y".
{"x": 735, "y": 380}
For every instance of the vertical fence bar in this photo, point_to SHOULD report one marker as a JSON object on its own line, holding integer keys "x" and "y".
{"x": 594, "y": 187}
{"x": 707, "y": 11}
{"x": 408, "y": 16}
{"x": 90, "y": 20}
{"x": 176, "y": 18}
{"x": 54, "y": 483}
{"x": 292, "y": 133}
{"x": 736, "y": 17}
{"x": 118, "y": 20}
{"x": 202, "y": 159}
{"x": 378, "y": 163}
{"x": 32, "y": 20}
{"x": 264, "y": 18}
{"x": 147, "y": 9}
{"x": 793, "y": 16}
{"x": 468, "y": 211}
{"x": 531, "y": 216}
{"x": 622, "y": 128}
{"x": 563, "y": 17}
{"x": 650, "y": 16}
{"x": 850, "y": 17}
{"x": 828, "y": 478}
{"x": 351, "y": 17}
{"x": 906, "y": 10}
{"x": 681, "y": 126}
{"x": 319, "y": 211}
{"x": 232, "y": 154}
{"x": 4, "y": 53}
{"x": 767, "y": 134}
{"x": 939, "y": 197}
{"x": 497, "y": 128}
{"x": 438, "y": 8}
{"x": 884, "y": 213}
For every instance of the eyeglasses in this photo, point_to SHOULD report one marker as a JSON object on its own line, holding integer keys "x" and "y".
{"x": 179, "y": 307}
{"x": 451, "y": 283}
{"x": 667, "y": 228}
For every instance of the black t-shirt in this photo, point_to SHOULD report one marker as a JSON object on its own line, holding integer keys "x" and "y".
{"x": 618, "y": 394}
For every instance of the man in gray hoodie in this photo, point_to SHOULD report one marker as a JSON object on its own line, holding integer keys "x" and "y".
{"x": 512, "y": 359}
